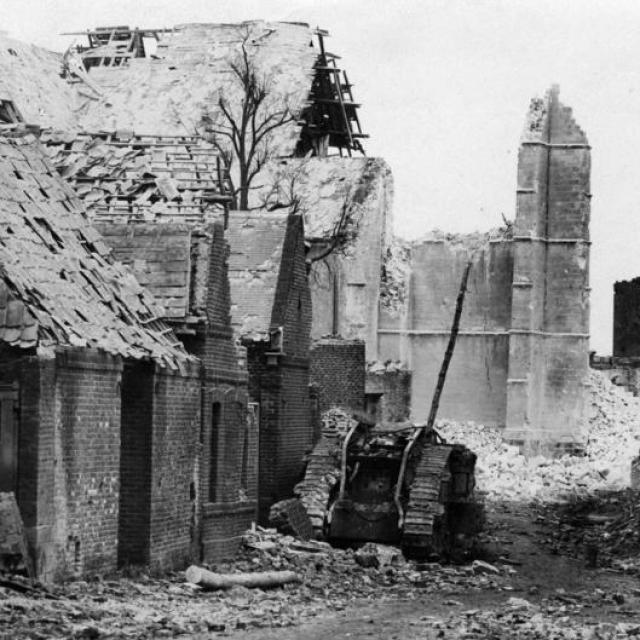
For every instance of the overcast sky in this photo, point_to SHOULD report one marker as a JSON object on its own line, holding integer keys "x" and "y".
{"x": 445, "y": 86}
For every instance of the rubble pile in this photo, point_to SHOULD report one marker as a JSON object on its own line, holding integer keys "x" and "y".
{"x": 604, "y": 528}
{"x": 521, "y": 619}
{"x": 374, "y": 571}
{"x": 390, "y": 366}
{"x": 611, "y": 434}
{"x": 394, "y": 279}
{"x": 141, "y": 608}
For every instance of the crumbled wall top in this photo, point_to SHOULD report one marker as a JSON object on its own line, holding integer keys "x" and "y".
{"x": 323, "y": 186}
{"x": 170, "y": 94}
{"x": 30, "y": 78}
{"x": 60, "y": 286}
{"x": 397, "y": 262}
{"x": 256, "y": 242}
{"x": 549, "y": 121}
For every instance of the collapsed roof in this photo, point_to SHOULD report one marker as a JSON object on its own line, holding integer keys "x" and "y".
{"x": 122, "y": 177}
{"x": 115, "y": 84}
{"x": 170, "y": 93}
{"x": 323, "y": 190}
{"x": 59, "y": 284}
{"x": 30, "y": 79}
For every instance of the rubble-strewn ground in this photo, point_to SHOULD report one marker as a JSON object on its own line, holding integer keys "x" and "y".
{"x": 548, "y": 519}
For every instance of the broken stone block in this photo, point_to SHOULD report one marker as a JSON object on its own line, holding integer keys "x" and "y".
{"x": 373, "y": 555}
{"x": 291, "y": 518}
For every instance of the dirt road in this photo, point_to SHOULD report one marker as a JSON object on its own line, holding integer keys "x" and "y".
{"x": 535, "y": 593}
{"x": 562, "y": 592}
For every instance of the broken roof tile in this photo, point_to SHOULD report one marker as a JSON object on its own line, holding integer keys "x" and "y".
{"x": 58, "y": 281}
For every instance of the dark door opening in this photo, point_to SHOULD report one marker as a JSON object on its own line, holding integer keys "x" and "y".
{"x": 8, "y": 438}
{"x": 136, "y": 420}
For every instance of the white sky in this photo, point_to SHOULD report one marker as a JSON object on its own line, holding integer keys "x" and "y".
{"x": 445, "y": 85}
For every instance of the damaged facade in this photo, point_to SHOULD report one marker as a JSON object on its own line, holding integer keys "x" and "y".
{"x": 75, "y": 325}
{"x": 272, "y": 319}
{"x": 522, "y": 351}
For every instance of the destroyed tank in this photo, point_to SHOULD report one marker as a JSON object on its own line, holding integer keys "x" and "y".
{"x": 397, "y": 483}
{"x": 400, "y": 484}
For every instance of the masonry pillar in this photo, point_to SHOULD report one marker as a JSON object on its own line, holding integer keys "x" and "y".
{"x": 549, "y": 335}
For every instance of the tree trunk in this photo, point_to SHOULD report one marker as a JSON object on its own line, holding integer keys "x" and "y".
{"x": 244, "y": 186}
{"x": 211, "y": 580}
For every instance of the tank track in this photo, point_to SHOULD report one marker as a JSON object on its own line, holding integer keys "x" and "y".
{"x": 322, "y": 474}
{"x": 425, "y": 530}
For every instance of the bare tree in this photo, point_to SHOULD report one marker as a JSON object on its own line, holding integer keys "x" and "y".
{"x": 285, "y": 191}
{"x": 245, "y": 118}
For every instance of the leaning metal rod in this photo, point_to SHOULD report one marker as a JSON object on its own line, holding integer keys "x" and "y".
{"x": 449, "y": 352}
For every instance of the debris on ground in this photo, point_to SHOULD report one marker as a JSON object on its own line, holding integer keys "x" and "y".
{"x": 603, "y": 529}
{"x": 145, "y": 607}
{"x": 612, "y": 440}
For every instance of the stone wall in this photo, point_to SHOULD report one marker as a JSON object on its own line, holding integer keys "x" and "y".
{"x": 338, "y": 372}
{"x": 416, "y": 332}
{"x": 345, "y": 285}
{"x": 522, "y": 350}
{"x": 549, "y": 337}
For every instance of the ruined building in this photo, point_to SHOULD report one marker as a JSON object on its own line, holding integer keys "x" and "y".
{"x": 522, "y": 350}
{"x": 271, "y": 308}
{"x": 164, "y": 419}
{"x": 100, "y": 401}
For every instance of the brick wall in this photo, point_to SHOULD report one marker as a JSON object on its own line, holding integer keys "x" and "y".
{"x": 86, "y": 451}
{"x": 292, "y": 310}
{"x": 228, "y": 477}
{"x": 624, "y": 372}
{"x": 222, "y": 528}
{"x": 174, "y": 471}
{"x": 280, "y": 383}
{"x": 338, "y": 372}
